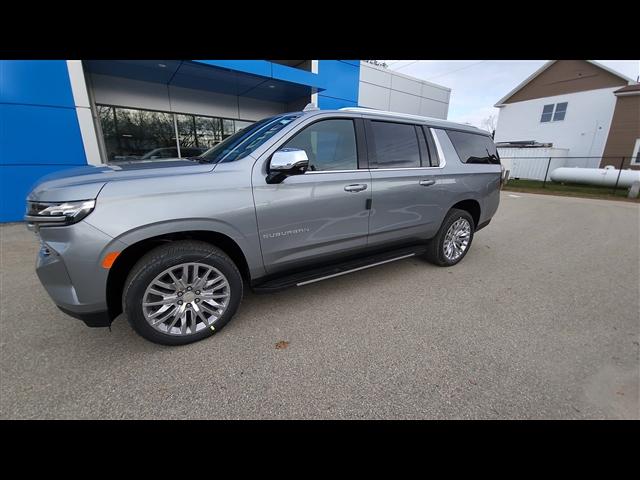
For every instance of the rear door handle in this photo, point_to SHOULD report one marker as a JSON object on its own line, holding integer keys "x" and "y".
{"x": 426, "y": 183}
{"x": 356, "y": 187}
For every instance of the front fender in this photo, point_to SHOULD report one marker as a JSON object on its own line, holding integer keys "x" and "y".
{"x": 145, "y": 232}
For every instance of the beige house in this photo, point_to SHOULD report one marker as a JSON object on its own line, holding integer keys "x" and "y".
{"x": 624, "y": 134}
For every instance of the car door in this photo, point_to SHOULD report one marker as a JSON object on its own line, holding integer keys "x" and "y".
{"x": 404, "y": 172}
{"x": 322, "y": 214}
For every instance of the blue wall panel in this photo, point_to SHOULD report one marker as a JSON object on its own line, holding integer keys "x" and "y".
{"x": 16, "y": 181}
{"x": 329, "y": 103}
{"x": 39, "y": 131}
{"x": 35, "y": 82}
{"x": 31, "y": 135}
{"x": 341, "y": 79}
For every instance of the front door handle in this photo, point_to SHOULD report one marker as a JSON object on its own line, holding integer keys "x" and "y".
{"x": 356, "y": 187}
{"x": 426, "y": 183}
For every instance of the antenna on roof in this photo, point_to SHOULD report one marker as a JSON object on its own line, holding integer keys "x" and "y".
{"x": 311, "y": 107}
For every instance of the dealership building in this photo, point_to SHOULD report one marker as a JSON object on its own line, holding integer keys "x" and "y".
{"x": 57, "y": 114}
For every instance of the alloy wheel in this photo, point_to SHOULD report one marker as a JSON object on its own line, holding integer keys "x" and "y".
{"x": 457, "y": 239}
{"x": 186, "y": 298}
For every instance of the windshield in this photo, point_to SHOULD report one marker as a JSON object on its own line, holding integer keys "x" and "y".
{"x": 242, "y": 143}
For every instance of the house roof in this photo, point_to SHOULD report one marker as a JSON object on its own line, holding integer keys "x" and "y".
{"x": 527, "y": 80}
{"x": 629, "y": 89}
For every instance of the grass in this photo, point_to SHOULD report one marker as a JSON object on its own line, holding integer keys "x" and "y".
{"x": 569, "y": 189}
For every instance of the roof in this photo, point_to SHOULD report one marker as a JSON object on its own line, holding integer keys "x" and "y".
{"x": 629, "y": 89}
{"x": 527, "y": 80}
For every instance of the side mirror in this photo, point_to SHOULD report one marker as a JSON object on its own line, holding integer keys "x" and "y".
{"x": 285, "y": 162}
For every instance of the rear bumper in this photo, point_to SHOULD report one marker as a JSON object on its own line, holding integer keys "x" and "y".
{"x": 482, "y": 225}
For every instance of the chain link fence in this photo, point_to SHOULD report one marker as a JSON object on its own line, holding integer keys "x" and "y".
{"x": 603, "y": 176}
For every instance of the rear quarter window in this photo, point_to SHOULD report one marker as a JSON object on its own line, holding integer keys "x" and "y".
{"x": 473, "y": 147}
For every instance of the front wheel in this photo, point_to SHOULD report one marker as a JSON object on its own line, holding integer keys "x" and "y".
{"x": 182, "y": 292}
{"x": 453, "y": 240}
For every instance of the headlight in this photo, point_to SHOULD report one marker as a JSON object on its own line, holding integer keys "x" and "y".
{"x": 58, "y": 213}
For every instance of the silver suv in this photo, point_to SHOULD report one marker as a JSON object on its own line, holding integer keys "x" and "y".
{"x": 290, "y": 200}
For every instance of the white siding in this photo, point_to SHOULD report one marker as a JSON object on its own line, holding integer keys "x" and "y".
{"x": 583, "y": 132}
{"x": 531, "y": 163}
{"x": 387, "y": 90}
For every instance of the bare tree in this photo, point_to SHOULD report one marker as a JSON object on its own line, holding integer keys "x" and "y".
{"x": 489, "y": 124}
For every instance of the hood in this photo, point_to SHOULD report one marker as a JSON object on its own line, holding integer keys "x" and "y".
{"x": 84, "y": 183}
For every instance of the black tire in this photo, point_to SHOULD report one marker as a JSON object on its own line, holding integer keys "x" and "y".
{"x": 435, "y": 247}
{"x": 166, "y": 256}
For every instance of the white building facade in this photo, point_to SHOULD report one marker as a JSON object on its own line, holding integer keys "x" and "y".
{"x": 566, "y": 107}
{"x": 582, "y": 132}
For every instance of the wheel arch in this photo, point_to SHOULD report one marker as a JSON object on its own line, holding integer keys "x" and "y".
{"x": 471, "y": 206}
{"x": 134, "y": 251}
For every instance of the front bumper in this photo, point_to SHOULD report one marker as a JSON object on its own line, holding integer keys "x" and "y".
{"x": 90, "y": 319}
{"x": 68, "y": 266}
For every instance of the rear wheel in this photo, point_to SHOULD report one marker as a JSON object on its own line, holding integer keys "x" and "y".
{"x": 182, "y": 292}
{"x": 453, "y": 240}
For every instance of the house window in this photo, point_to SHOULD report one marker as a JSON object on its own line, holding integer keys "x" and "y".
{"x": 635, "y": 158}
{"x": 553, "y": 112}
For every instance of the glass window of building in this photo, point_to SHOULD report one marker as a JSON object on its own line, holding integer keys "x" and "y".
{"x": 208, "y": 131}
{"x": 139, "y": 132}
{"x": 240, "y": 124}
{"x": 228, "y": 128}
{"x": 132, "y": 134}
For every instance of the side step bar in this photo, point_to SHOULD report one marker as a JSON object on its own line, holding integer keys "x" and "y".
{"x": 323, "y": 273}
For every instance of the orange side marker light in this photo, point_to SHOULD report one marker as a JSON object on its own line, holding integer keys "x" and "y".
{"x": 109, "y": 259}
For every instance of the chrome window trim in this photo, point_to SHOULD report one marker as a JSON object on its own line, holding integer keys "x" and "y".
{"x": 436, "y": 141}
{"x": 402, "y": 168}
{"x": 314, "y": 172}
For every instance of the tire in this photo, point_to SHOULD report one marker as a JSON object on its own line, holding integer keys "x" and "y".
{"x": 198, "y": 308}
{"x": 436, "y": 252}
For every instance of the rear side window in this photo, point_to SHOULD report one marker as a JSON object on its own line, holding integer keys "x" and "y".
{"x": 474, "y": 148}
{"x": 395, "y": 145}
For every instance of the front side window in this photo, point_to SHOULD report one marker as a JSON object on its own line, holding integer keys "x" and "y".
{"x": 395, "y": 145}
{"x": 553, "y": 112}
{"x": 330, "y": 145}
{"x": 473, "y": 147}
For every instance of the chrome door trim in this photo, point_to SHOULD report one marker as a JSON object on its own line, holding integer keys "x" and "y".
{"x": 436, "y": 141}
{"x": 315, "y": 172}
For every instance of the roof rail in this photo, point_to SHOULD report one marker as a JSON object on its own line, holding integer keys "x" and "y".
{"x": 398, "y": 115}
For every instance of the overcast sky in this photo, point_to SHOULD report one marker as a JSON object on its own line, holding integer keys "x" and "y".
{"x": 476, "y": 85}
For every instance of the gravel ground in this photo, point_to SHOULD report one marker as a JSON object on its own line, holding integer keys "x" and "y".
{"x": 540, "y": 320}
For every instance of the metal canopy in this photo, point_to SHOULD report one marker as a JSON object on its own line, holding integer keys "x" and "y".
{"x": 201, "y": 76}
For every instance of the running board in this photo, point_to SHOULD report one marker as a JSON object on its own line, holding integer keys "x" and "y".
{"x": 337, "y": 270}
